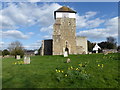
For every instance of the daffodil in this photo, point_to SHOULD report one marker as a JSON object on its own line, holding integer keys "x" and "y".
{"x": 65, "y": 75}
{"x": 98, "y": 65}
{"x": 71, "y": 67}
{"x": 80, "y": 65}
{"x": 15, "y": 63}
{"x": 102, "y": 65}
{"x": 62, "y": 71}
{"x": 58, "y": 70}
{"x": 76, "y": 68}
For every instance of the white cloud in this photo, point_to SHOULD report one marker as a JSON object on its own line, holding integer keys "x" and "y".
{"x": 13, "y": 34}
{"x": 111, "y": 29}
{"x": 19, "y": 15}
{"x": 27, "y": 14}
{"x": 1, "y": 44}
{"x": 94, "y": 23}
{"x": 34, "y": 0}
{"x": 80, "y": 21}
{"x": 90, "y": 14}
{"x": 44, "y": 29}
{"x": 112, "y": 23}
{"x": 88, "y": 20}
{"x": 35, "y": 45}
{"x": 31, "y": 33}
{"x": 47, "y": 37}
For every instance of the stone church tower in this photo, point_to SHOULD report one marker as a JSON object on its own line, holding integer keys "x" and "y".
{"x": 64, "y": 34}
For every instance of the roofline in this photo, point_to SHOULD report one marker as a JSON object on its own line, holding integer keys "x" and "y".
{"x": 66, "y": 11}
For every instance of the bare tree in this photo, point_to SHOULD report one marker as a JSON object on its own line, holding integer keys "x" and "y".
{"x": 16, "y": 48}
{"x": 111, "y": 40}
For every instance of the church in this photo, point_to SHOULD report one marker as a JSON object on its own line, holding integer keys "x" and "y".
{"x": 64, "y": 35}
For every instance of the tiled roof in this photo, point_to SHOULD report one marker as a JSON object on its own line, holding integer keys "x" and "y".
{"x": 65, "y": 9}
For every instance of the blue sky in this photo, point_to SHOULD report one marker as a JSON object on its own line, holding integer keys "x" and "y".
{"x": 30, "y": 23}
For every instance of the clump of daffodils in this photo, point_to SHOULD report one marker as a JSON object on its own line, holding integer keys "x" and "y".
{"x": 100, "y": 65}
{"x": 58, "y": 71}
{"x": 19, "y": 62}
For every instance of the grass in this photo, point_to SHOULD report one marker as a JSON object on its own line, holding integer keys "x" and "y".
{"x": 41, "y": 72}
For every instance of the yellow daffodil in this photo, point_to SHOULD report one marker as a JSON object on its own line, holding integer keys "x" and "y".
{"x": 62, "y": 71}
{"x": 15, "y": 63}
{"x": 102, "y": 65}
{"x": 76, "y": 68}
{"x": 58, "y": 70}
{"x": 98, "y": 65}
{"x": 71, "y": 67}
{"x": 65, "y": 75}
{"x": 80, "y": 65}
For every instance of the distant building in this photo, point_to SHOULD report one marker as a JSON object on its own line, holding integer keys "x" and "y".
{"x": 29, "y": 52}
{"x": 110, "y": 51}
{"x": 64, "y": 35}
{"x": 96, "y": 48}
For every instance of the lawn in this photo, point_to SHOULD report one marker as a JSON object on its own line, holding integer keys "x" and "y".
{"x": 84, "y": 71}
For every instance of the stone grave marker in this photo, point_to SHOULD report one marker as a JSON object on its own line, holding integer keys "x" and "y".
{"x": 65, "y": 54}
{"x": 26, "y": 60}
{"x": 68, "y": 60}
{"x": 18, "y": 57}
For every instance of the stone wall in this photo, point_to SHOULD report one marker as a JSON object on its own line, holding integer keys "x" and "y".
{"x": 64, "y": 34}
{"x": 47, "y": 47}
{"x": 81, "y": 43}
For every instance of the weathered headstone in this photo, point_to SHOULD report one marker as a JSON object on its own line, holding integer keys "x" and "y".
{"x": 18, "y": 57}
{"x": 26, "y": 60}
{"x": 68, "y": 60}
{"x": 90, "y": 52}
{"x": 65, "y": 54}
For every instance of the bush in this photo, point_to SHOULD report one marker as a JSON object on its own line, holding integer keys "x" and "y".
{"x": 5, "y": 52}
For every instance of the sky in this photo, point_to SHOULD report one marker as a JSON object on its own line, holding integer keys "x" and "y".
{"x": 32, "y": 22}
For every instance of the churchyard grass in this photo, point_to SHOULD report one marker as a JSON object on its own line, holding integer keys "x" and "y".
{"x": 84, "y": 71}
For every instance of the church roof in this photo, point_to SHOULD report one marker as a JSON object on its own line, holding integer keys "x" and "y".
{"x": 65, "y": 9}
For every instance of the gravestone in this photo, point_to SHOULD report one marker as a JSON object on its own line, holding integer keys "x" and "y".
{"x": 68, "y": 60}
{"x": 26, "y": 60}
{"x": 18, "y": 57}
{"x": 65, "y": 54}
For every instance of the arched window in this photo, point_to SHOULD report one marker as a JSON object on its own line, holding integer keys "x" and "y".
{"x": 66, "y": 48}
